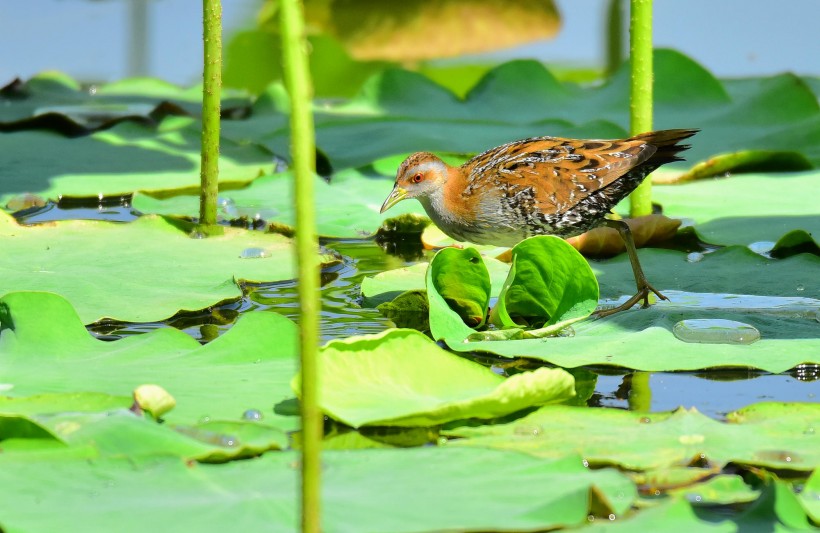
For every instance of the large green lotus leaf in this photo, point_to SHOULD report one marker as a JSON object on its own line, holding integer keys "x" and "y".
{"x": 550, "y": 284}
{"x": 120, "y": 433}
{"x": 399, "y": 112}
{"x": 643, "y": 339}
{"x": 350, "y": 203}
{"x": 640, "y": 441}
{"x": 775, "y": 113}
{"x": 341, "y": 138}
{"x": 44, "y": 348}
{"x": 142, "y": 271}
{"x": 126, "y": 158}
{"x": 731, "y": 270}
{"x": 402, "y": 378}
{"x": 461, "y": 279}
{"x": 420, "y": 489}
{"x": 55, "y": 101}
{"x": 744, "y": 208}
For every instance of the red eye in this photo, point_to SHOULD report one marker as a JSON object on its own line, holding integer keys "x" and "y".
{"x": 417, "y": 178}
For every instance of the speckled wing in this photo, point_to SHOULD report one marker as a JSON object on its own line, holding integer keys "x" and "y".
{"x": 552, "y": 173}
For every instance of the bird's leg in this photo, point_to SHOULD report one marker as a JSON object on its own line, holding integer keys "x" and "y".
{"x": 640, "y": 279}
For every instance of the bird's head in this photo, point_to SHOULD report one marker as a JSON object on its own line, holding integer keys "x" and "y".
{"x": 419, "y": 175}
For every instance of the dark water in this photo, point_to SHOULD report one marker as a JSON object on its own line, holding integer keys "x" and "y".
{"x": 714, "y": 392}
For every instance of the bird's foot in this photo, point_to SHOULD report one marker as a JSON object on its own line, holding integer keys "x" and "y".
{"x": 643, "y": 294}
{"x": 647, "y": 287}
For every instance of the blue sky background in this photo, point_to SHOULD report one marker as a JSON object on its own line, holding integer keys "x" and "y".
{"x": 89, "y": 39}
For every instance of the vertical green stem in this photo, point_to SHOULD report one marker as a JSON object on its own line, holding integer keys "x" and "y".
{"x": 211, "y": 95}
{"x": 614, "y": 36}
{"x": 297, "y": 80}
{"x": 138, "y": 38}
{"x": 640, "y": 393}
{"x": 640, "y": 54}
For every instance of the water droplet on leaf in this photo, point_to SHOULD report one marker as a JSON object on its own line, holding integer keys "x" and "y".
{"x": 528, "y": 430}
{"x": 715, "y": 331}
{"x": 252, "y": 414}
{"x": 254, "y": 253}
{"x": 228, "y": 441}
{"x": 762, "y": 247}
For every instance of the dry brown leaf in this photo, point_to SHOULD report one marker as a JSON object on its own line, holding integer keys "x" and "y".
{"x": 606, "y": 242}
{"x": 415, "y": 30}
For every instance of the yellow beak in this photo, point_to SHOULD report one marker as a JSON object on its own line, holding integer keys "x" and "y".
{"x": 395, "y": 197}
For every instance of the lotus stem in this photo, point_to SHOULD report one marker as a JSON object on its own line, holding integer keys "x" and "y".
{"x": 298, "y": 83}
{"x": 640, "y": 54}
{"x": 211, "y": 95}
{"x": 614, "y": 36}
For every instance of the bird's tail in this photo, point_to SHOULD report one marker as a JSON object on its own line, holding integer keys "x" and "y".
{"x": 666, "y": 142}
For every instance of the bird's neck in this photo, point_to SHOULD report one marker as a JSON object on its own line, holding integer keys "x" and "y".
{"x": 444, "y": 204}
{"x": 435, "y": 206}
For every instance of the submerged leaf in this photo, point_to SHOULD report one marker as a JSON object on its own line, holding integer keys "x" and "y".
{"x": 408, "y": 310}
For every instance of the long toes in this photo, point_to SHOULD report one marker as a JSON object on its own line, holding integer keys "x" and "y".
{"x": 641, "y": 296}
{"x": 657, "y": 293}
{"x": 646, "y": 287}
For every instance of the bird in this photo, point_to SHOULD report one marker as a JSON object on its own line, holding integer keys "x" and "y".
{"x": 539, "y": 186}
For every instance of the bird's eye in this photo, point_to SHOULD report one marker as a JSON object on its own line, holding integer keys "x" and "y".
{"x": 417, "y": 178}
